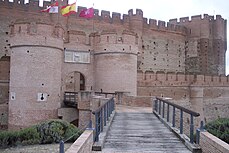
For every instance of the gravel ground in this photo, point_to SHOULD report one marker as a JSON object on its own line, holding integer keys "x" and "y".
{"x": 49, "y": 148}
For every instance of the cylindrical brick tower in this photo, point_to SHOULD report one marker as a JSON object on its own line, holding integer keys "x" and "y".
{"x": 116, "y": 62}
{"x": 35, "y": 72}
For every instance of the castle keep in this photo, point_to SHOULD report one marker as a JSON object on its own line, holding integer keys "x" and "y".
{"x": 43, "y": 55}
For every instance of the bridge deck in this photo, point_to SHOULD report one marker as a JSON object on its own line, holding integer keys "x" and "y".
{"x": 137, "y": 130}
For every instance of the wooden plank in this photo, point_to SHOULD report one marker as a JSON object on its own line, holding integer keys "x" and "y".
{"x": 141, "y": 132}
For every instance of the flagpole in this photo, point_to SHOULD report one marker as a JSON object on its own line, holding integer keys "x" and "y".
{"x": 59, "y": 8}
{"x": 93, "y": 22}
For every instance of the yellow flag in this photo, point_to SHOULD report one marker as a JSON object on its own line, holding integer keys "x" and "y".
{"x": 68, "y": 9}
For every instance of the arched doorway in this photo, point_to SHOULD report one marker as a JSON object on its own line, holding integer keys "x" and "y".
{"x": 75, "y": 81}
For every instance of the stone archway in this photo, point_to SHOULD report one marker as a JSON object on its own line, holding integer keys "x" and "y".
{"x": 74, "y": 82}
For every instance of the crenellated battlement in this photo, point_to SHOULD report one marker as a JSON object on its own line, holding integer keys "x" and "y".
{"x": 180, "y": 79}
{"x": 196, "y": 18}
{"x": 112, "y": 37}
{"x": 36, "y": 27}
{"x": 19, "y": 4}
{"x": 36, "y": 33}
{"x": 101, "y": 16}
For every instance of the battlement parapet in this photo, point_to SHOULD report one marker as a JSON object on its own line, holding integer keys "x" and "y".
{"x": 36, "y": 33}
{"x": 19, "y": 4}
{"x": 162, "y": 25}
{"x": 195, "y": 18}
{"x": 161, "y": 78}
{"x": 112, "y": 37}
{"x": 173, "y": 25}
{"x": 139, "y": 13}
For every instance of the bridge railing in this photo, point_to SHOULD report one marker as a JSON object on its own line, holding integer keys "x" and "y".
{"x": 102, "y": 115}
{"x": 161, "y": 109}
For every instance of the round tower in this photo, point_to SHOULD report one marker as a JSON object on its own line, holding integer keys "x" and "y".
{"x": 116, "y": 62}
{"x": 35, "y": 72}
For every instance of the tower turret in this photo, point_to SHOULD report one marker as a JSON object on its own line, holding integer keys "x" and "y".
{"x": 206, "y": 44}
{"x": 116, "y": 62}
{"x": 35, "y": 73}
{"x": 136, "y": 21}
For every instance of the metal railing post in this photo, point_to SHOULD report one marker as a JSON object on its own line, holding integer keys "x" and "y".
{"x": 163, "y": 110}
{"x": 61, "y": 146}
{"x": 155, "y": 105}
{"x": 101, "y": 120}
{"x": 102, "y": 115}
{"x": 104, "y": 112}
{"x": 109, "y": 108}
{"x": 198, "y": 132}
{"x": 197, "y": 136}
{"x": 159, "y": 107}
{"x": 174, "y": 116}
{"x": 96, "y": 127}
{"x": 168, "y": 113}
{"x": 191, "y": 129}
{"x": 113, "y": 104}
{"x": 181, "y": 122}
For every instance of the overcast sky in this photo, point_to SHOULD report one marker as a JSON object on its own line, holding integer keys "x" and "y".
{"x": 163, "y": 9}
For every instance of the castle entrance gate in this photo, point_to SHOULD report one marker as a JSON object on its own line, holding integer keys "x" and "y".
{"x": 75, "y": 81}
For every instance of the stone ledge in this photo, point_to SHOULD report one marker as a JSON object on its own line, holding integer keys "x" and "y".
{"x": 83, "y": 143}
{"x": 212, "y": 142}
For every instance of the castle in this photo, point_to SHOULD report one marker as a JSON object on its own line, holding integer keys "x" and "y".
{"x": 44, "y": 55}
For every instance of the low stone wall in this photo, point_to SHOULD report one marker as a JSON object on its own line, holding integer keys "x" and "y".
{"x": 139, "y": 101}
{"x": 211, "y": 144}
{"x": 83, "y": 144}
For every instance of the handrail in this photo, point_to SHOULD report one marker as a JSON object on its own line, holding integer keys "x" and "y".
{"x": 102, "y": 115}
{"x": 160, "y": 109}
{"x": 100, "y": 107}
{"x": 180, "y": 107}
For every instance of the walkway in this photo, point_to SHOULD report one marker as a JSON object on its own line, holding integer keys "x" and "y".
{"x": 137, "y": 130}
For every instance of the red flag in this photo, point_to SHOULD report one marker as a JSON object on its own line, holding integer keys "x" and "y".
{"x": 68, "y": 9}
{"x": 53, "y": 8}
{"x": 87, "y": 13}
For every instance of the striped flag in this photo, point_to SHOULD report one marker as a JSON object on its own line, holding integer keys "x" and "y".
{"x": 68, "y": 9}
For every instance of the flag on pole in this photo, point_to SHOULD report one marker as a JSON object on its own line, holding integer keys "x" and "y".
{"x": 53, "y": 8}
{"x": 68, "y": 9}
{"x": 87, "y": 13}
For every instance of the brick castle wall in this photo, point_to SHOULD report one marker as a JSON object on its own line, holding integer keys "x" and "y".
{"x": 167, "y": 49}
{"x": 207, "y": 95}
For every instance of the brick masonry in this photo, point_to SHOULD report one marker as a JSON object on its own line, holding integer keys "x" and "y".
{"x": 128, "y": 54}
{"x": 212, "y": 144}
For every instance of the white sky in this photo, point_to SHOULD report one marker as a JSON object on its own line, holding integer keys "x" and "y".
{"x": 163, "y": 9}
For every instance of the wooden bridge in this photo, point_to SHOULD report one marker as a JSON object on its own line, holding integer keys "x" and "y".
{"x": 141, "y": 129}
{"x": 138, "y": 130}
